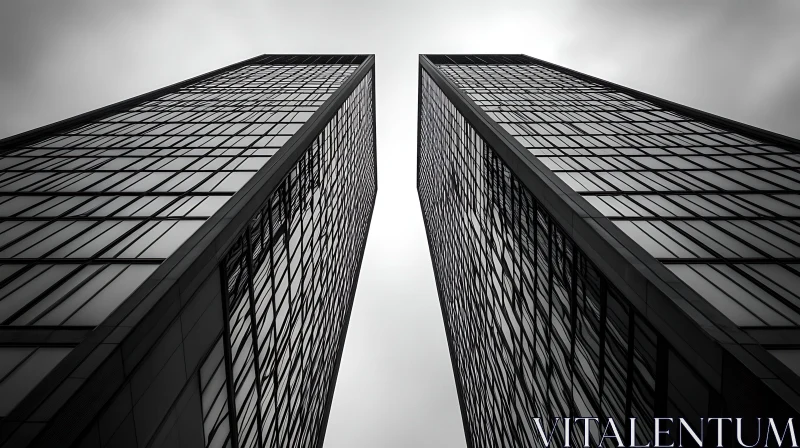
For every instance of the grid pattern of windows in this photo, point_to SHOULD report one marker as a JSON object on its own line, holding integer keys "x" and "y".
{"x": 88, "y": 213}
{"x": 536, "y": 330}
{"x": 95, "y": 209}
{"x": 214, "y": 399}
{"x": 718, "y": 208}
{"x": 289, "y": 281}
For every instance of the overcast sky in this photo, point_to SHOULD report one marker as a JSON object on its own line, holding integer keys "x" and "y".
{"x": 738, "y": 59}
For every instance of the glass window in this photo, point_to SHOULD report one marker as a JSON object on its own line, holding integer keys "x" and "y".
{"x": 89, "y": 306}
{"x": 730, "y": 307}
{"x": 660, "y": 240}
{"x": 790, "y": 357}
{"x": 11, "y": 205}
{"x": 739, "y": 299}
{"x": 711, "y": 236}
{"x": 21, "y": 368}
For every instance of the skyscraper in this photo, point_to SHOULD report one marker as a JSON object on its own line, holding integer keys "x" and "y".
{"x": 178, "y": 269}
{"x": 600, "y": 252}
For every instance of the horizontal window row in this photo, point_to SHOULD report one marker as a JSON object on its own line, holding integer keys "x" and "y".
{"x": 225, "y": 107}
{"x": 248, "y": 118}
{"x": 560, "y": 95}
{"x": 133, "y": 163}
{"x": 175, "y": 151}
{"x": 519, "y": 75}
{"x": 554, "y": 118}
{"x": 291, "y": 84}
{"x": 686, "y": 129}
{"x": 564, "y": 106}
{"x": 570, "y": 107}
{"x": 672, "y": 181}
{"x": 605, "y": 144}
{"x": 197, "y": 140}
{"x": 135, "y": 182}
{"x": 90, "y": 239}
{"x": 222, "y": 100}
{"x": 87, "y": 134}
{"x": 21, "y": 206}
{"x": 728, "y": 239}
{"x": 232, "y": 90}
{"x": 66, "y": 294}
{"x": 748, "y": 294}
{"x": 703, "y": 206}
{"x": 143, "y": 164}
{"x": 614, "y": 146}
{"x": 251, "y": 92}
{"x": 535, "y": 91}
{"x": 670, "y": 162}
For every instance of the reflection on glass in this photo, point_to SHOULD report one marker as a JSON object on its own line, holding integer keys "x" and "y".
{"x": 21, "y": 368}
{"x": 699, "y": 194}
{"x": 289, "y": 280}
{"x": 535, "y": 328}
{"x": 88, "y": 213}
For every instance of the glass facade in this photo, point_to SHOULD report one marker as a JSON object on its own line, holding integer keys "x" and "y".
{"x": 535, "y": 328}
{"x": 89, "y": 212}
{"x": 289, "y": 281}
{"x": 719, "y": 208}
{"x": 95, "y": 209}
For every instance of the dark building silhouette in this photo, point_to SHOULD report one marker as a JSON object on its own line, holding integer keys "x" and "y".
{"x": 178, "y": 269}
{"x": 601, "y": 252}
